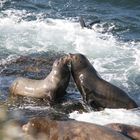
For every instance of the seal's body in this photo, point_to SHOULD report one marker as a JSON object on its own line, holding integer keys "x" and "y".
{"x": 69, "y": 130}
{"x": 52, "y": 87}
{"x": 96, "y": 91}
{"x": 127, "y": 130}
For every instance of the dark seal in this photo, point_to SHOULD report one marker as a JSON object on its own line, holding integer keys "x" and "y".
{"x": 51, "y": 88}
{"x": 96, "y": 91}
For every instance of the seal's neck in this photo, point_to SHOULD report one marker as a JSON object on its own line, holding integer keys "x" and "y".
{"x": 53, "y": 73}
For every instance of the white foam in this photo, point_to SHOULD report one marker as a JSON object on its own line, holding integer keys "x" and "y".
{"x": 35, "y": 108}
{"x": 55, "y": 34}
{"x": 137, "y": 58}
{"x": 35, "y": 36}
{"x": 11, "y": 58}
{"x": 41, "y": 35}
{"x": 109, "y": 116}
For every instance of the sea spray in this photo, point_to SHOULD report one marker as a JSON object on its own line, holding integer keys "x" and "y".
{"x": 109, "y": 116}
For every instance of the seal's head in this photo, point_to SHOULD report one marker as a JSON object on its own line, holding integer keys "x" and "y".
{"x": 78, "y": 61}
{"x": 40, "y": 128}
{"x": 61, "y": 62}
{"x": 36, "y": 125}
{"x": 61, "y": 65}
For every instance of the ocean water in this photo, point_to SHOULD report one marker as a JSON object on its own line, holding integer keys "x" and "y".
{"x": 37, "y": 27}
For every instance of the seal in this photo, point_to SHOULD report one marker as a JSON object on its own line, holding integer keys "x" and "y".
{"x": 89, "y": 26}
{"x": 95, "y": 91}
{"x": 131, "y": 131}
{"x": 51, "y": 88}
{"x": 69, "y": 130}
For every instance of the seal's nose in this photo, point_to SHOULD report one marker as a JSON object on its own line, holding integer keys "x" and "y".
{"x": 70, "y": 55}
{"x": 25, "y": 128}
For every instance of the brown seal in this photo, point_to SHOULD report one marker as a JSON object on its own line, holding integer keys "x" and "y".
{"x": 131, "y": 131}
{"x": 51, "y": 88}
{"x": 46, "y": 129}
{"x": 96, "y": 91}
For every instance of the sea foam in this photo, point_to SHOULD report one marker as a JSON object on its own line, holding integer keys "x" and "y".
{"x": 107, "y": 116}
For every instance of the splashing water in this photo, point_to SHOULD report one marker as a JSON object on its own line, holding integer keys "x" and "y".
{"x": 109, "y": 116}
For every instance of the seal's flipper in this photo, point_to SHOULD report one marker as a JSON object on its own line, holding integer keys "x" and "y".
{"x": 92, "y": 23}
{"x": 82, "y": 22}
{"x": 90, "y": 98}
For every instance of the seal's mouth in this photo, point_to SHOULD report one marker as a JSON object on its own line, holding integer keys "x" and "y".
{"x": 70, "y": 56}
{"x": 67, "y": 59}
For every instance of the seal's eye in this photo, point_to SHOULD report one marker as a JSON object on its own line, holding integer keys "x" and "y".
{"x": 61, "y": 59}
{"x": 58, "y": 63}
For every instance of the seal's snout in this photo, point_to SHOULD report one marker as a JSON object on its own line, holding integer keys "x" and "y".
{"x": 25, "y": 128}
{"x": 70, "y": 56}
{"x": 67, "y": 59}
